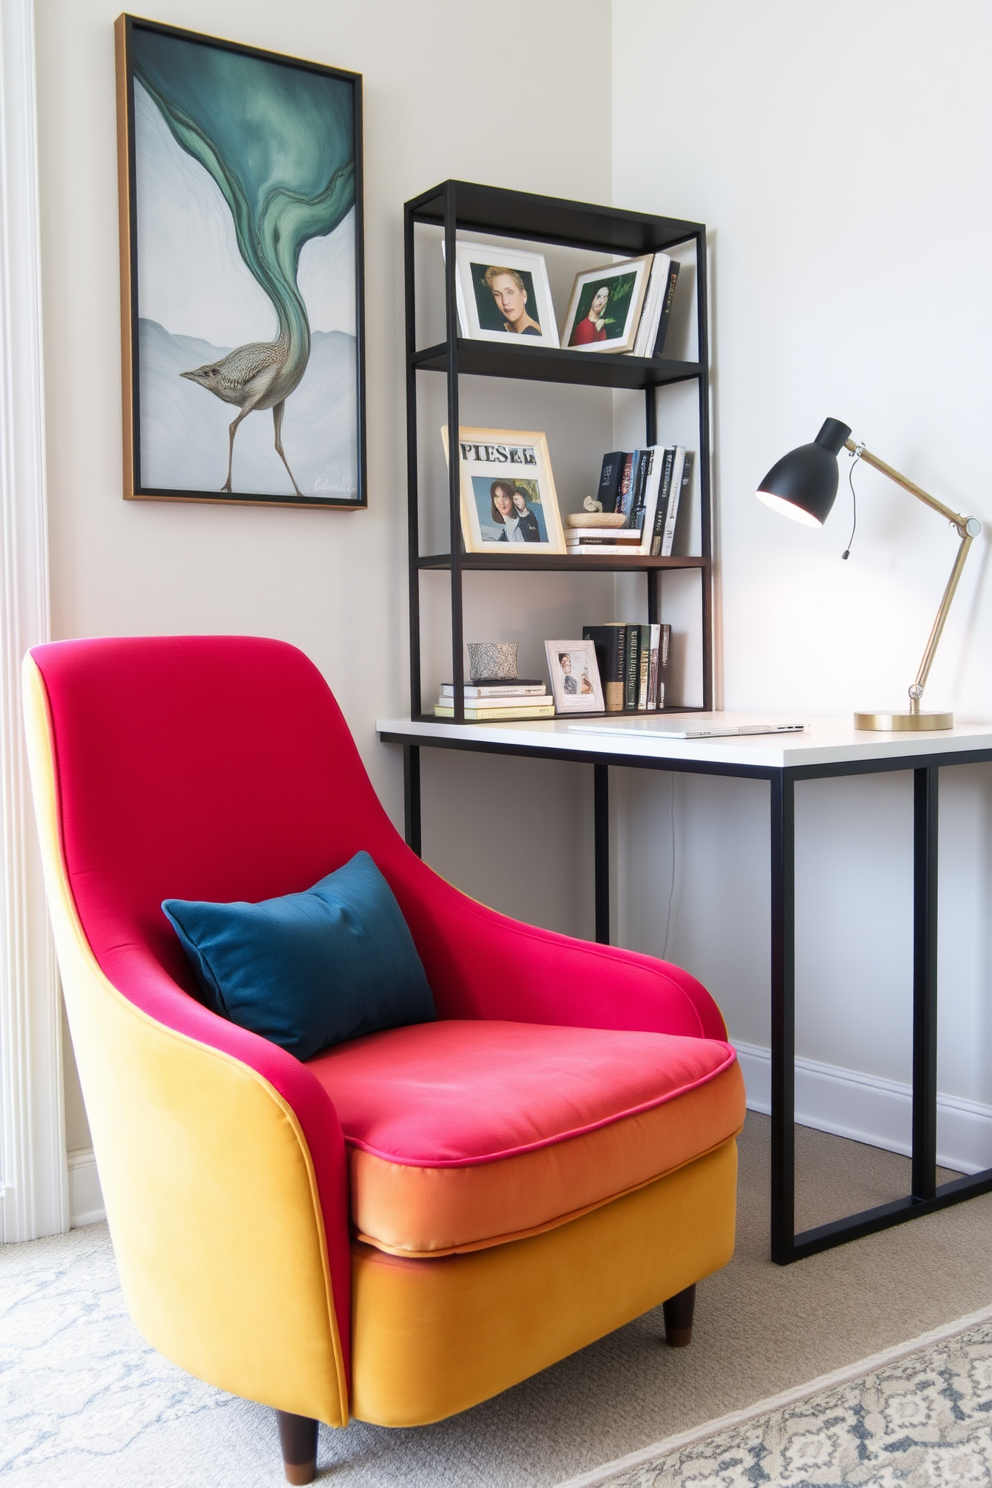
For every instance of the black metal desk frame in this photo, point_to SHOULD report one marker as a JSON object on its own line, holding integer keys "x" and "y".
{"x": 926, "y": 1194}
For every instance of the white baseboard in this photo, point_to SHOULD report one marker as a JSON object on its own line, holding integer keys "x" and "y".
{"x": 869, "y": 1109}
{"x": 85, "y": 1196}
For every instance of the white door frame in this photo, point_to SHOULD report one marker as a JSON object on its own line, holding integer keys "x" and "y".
{"x": 34, "y": 1192}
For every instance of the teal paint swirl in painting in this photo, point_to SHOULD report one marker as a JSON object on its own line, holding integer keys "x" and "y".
{"x": 278, "y": 140}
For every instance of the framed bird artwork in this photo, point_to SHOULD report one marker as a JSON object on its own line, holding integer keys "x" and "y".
{"x": 241, "y": 273}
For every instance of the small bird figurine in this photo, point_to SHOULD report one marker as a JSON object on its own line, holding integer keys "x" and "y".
{"x": 260, "y": 375}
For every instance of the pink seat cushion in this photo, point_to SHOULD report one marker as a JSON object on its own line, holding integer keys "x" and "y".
{"x": 468, "y": 1133}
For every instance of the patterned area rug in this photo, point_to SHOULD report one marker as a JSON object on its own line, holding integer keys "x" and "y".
{"x": 917, "y": 1416}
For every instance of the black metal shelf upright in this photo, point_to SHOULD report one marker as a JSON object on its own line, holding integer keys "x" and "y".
{"x": 461, "y": 206}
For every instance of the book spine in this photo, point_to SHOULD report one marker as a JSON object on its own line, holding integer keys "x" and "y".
{"x": 643, "y": 666}
{"x": 664, "y": 652}
{"x": 637, "y": 479}
{"x": 661, "y": 510}
{"x": 511, "y": 690}
{"x": 666, "y": 309}
{"x": 632, "y": 670}
{"x": 681, "y": 475}
{"x": 609, "y": 479}
{"x": 622, "y": 504}
{"x": 546, "y": 710}
{"x": 609, "y": 643}
{"x": 602, "y": 550}
{"x": 653, "y": 667}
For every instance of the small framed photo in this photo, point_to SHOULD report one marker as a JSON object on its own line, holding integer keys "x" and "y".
{"x": 605, "y": 306}
{"x": 508, "y": 503}
{"x": 504, "y": 293}
{"x": 575, "y": 679}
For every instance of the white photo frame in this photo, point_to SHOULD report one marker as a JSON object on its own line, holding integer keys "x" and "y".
{"x": 504, "y": 295}
{"x": 575, "y": 679}
{"x": 604, "y": 309}
{"x": 509, "y": 506}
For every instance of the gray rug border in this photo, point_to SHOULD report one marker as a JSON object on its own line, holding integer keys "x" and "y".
{"x": 669, "y": 1444}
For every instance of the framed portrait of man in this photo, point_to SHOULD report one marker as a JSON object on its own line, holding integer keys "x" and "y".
{"x": 604, "y": 310}
{"x": 503, "y": 295}
{"x": 509, "y": 507}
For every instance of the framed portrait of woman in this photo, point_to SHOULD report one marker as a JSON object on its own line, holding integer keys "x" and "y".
{"x": 509, "y": 507}
{"x": 503, "y": 295}
{"x": 604, "y": 309}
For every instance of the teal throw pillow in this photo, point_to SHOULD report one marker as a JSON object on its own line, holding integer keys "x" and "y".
{"x": 311, "y": 969}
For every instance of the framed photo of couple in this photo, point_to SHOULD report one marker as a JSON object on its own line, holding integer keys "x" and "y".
{"x": 509, "y": 507}
{"x": 575, "y": 679}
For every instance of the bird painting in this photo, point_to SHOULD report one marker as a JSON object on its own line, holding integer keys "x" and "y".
{"x": 257, "y": 376}
{"x": 279, "y": 142}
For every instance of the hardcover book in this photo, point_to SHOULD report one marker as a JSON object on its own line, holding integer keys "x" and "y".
{"x": 611, "y": 652}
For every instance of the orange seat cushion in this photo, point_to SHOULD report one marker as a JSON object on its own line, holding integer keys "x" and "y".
{"x": 467, "y": 1133}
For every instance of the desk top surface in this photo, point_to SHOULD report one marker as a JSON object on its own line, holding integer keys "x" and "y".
{"x": 824, "y": 741}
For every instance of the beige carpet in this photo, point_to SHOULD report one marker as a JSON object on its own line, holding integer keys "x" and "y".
{"x": 760, "y": 1329}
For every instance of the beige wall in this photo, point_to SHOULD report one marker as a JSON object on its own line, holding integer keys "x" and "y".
{"x": 840, "y": 153}
{"x": 451, "y": 90}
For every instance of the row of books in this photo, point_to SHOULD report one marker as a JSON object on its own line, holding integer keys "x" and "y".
{"x": 646, "y": 486}
{"x": 633, "y": 663}
{"x": 652, "y": 328}
{"x": 521, "y": 698}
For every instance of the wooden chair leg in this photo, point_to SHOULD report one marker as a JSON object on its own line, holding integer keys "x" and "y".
{"x": 298, "y": 1439}
{"x": 678, "y": 1318}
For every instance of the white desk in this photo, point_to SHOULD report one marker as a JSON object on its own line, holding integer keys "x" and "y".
{"x": 828, "y": 747}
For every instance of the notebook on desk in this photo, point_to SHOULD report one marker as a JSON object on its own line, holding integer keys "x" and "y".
{"x": 700, "y": 727}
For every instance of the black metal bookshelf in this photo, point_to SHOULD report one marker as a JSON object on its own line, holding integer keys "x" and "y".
{"x": 462, "y": 206}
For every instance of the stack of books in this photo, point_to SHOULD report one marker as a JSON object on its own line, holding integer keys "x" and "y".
{"x": 633, "y": 663}
{"x": 602, "y": 540}
{"x": 521, "y": 698}
{"x": 646, "y": 486}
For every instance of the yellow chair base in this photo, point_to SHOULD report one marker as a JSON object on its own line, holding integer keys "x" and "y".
{"x": 433, "y": 1337}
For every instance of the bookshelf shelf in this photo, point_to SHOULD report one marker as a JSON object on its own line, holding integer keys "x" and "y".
{"x": 548, "y": 364}
{"x": 560, "y": 563}
{"x": 459, "y": 207}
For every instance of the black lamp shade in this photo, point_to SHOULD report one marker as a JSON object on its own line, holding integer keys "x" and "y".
{"x": 803, "y": 484}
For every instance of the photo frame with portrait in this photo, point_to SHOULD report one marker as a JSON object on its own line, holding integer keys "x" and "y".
{"x": 503, "y": 295}
{"x": 509, "y": 506}
{"x": 604, "y": 309}
{"x": 575, "y": 679}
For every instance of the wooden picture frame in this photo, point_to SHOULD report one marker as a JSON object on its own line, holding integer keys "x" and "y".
{"x": 241, "y": 235}
{"x": 621, "y": 287}
{"x": 509, "y": 506}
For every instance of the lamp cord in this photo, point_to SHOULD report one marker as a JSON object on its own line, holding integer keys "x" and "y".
{"x": 855, "y": 457}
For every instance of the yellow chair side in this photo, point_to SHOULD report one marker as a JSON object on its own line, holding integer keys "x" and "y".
{"x": 207, "y": 1178}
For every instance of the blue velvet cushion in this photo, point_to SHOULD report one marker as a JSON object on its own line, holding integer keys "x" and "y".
{"x": 310, "y": 969}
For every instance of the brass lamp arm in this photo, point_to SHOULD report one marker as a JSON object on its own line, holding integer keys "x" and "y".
{"x": 967, "y": 528}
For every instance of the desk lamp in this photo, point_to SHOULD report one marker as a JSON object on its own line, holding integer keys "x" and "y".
{"x": 803, "y": 485}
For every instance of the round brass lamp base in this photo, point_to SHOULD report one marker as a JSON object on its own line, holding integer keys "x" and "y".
{"x": 897, "y": 723}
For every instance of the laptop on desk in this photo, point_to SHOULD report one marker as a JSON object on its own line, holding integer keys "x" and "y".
{"x": 691, "y": 726}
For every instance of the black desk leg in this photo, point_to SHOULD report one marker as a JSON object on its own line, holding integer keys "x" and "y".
{"x": 926, "y": 781}
{"x": 411, "y": 796}
{"x": 783, "y": 918}
{"x": 601, "y": 849}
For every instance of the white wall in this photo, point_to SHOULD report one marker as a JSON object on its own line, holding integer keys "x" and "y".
{"x": 440, "y": 79}
{"x": 840, "y": 153}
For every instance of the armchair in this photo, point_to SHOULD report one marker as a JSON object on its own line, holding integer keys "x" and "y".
{"x": 412, "y": 1221}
